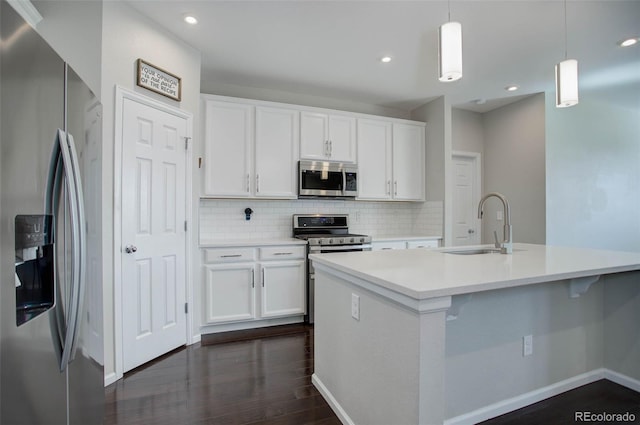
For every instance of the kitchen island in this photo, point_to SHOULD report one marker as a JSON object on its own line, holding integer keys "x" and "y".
{"x": 431, "y": 337}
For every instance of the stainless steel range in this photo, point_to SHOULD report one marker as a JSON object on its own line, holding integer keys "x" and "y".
{"x": 325, "y": 233}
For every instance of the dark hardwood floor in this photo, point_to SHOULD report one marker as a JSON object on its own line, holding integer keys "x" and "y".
{"x": 268, "y": 381}
{"x": 262, "y": 381}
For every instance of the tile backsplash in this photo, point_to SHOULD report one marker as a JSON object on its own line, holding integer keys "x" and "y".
{"x": 225, "y": 219}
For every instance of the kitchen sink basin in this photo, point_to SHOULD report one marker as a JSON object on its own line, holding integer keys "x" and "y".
{"x": 473, "y": 251}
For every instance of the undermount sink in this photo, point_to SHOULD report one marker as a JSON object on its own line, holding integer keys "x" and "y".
{"x": 473, "y": 251}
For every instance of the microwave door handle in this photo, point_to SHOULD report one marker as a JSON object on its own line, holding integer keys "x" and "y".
{"x": 344, "y": 182}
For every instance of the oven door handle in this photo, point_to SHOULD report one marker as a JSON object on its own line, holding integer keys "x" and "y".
{"x": 317, "y": 248}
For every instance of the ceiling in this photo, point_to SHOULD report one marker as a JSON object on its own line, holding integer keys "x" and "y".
{"x": 333, "y": 48}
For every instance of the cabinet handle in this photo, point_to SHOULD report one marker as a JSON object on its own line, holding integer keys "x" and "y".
{"x": 330, "y": 148}
{"x": 386, "y": 249}
{"x": 263, "y": 277}
{"x": 257, "y": 183}
{"x": 388, "y": 187}
{"x": 248, "y": 182}
{"x": 283, "y": 253}
{"x": 326, "y": 148}
{"x": 231, "y": 256}
{"x": 253, "y": 278}
{"x": 395, "y": 185}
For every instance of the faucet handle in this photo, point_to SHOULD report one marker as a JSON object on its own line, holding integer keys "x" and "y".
{"x": 495, "y": 238}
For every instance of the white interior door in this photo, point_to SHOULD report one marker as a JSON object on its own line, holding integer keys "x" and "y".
{"x": 466, "y": 190}
{"x": 153, "y": 233}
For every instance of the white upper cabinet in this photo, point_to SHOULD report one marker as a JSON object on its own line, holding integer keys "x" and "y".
{"x": 408, "y": 162}
{"x": 326, "y": 137}
{"x": 250, "y": 151}
{"x": 228, "y": 141}
{"x": 276, "y": 152}
{"x": 374, "y": 159}
{"x": 391, "y": 160}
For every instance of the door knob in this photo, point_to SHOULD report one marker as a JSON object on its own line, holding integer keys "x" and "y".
{"x": 471, "y": 231}
{"x": 130, "y": 249}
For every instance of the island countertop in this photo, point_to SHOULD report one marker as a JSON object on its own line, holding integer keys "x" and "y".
{"x": 422, "y": 274}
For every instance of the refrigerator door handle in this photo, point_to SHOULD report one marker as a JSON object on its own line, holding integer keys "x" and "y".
{"x": 76, "y": 269}
{"x": 52, "y": 199}
{"x": 81, "y": 241}
{"x": 64, "y": 169}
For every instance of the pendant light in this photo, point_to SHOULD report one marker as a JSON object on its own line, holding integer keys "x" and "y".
{"x": 566, "y": 75}
{"x": 450, "y": 50}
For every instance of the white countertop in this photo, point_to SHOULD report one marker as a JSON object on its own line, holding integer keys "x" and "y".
{"x": 422, "y": 274}
{"x": 226, "y": 243}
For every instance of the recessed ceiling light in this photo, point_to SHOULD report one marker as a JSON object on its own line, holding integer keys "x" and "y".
{"x": 480, "y": 101}
{"x": 511, "y": 88}
{"x": 190, "y": 19}
{"x": 628, "y": 42}
{"x": 385, "y": 59}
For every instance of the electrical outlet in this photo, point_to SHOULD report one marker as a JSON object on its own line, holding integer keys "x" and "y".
{"x": 527, "y": 345}
{"x": 355, "y": 306}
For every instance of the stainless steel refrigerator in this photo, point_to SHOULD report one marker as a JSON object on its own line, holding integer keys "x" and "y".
{"x": 51, "y": 357}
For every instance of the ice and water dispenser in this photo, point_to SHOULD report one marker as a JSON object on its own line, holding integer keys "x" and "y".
{"x": 34, "y": 274}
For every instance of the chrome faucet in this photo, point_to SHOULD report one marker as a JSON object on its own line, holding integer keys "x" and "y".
{"x": 506, "y": 246}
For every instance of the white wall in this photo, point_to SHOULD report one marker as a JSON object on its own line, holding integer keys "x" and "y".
{"x": 514, "y": 165}
{"x": 128, "y": 36}
{"x": 467, "y": 131}
{"x": 437, "y": 115}
{"x": 74, "y": 30}
{"x": 245, "y": 92}
{"x": 593, "y": 171}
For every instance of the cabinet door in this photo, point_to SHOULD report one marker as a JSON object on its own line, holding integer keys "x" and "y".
{"x": 283, "y": 288}
{"x": 228, "y": 137}
{"x": 342, "y": 138}
{"x": 276, "y": 152}
{"x": 229, "y": 293}
{"x": 374, "y": 159}
{"x": 408, "y": 162}
{"x": 314, "y": 136}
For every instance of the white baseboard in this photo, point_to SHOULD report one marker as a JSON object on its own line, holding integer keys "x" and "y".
{"x": 523, "y": 400}
{"x": 195, "y": 339}
{"x": 625, "y": 381}
{"x": 333, "y": 403}
{"x": 110, "y": 379}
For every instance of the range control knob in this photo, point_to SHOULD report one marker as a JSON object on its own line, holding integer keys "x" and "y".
{"x": 352, "y": 240}
{"x": 330, "y": 241}
{"x": 320, "y": 241}
{"x": 341, "y": 241}
{"x": 361, "y": 240}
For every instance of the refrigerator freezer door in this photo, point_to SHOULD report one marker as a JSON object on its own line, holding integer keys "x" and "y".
{"x": 33, "y": 390}
{"x": 33, "y": 86}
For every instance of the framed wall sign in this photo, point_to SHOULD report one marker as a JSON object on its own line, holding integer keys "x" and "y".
{"x": 158, "y": 80}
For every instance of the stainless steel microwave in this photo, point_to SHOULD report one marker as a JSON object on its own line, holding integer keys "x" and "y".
{"x": 327, "y": 179}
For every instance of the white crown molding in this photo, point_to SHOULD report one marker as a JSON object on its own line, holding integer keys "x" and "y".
{"x": 27, "y": 10}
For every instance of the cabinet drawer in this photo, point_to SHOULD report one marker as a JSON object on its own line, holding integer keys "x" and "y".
{"x": 228, "y": 255}
{"x": 282, "y": 252}
{"x": 432, "y": 243}
{"x": 383, "y": 246}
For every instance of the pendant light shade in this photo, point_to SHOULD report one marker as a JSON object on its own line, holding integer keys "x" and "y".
{"x": 567, "y": 83}
{"x": 450, "y": 52}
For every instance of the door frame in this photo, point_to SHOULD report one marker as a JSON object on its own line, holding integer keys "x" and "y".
{"x": 476, "y": 157}
{"x": 121, "y": 95}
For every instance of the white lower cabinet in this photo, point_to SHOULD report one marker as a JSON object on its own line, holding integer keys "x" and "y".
{"x": 229, "y": 292}
{"x": 282, "y": 291}
{"x": 245, "y": 284}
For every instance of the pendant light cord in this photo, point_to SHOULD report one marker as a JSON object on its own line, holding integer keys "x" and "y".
{"x": 449, "y": 10}
{"x": 565, "y": 29}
